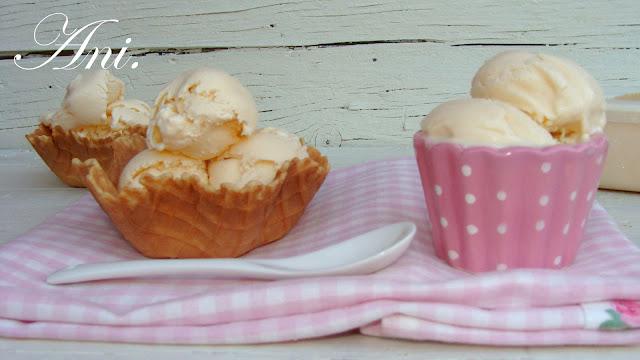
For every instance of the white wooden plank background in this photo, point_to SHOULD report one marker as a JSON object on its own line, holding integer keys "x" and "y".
{"x": 336, "y": 96}
{"x": 356, "y": 73}
{"x": 244, "y": 23}
{"x": 344, "y": 347}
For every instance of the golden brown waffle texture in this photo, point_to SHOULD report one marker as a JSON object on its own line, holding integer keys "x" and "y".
{"x": 112, "y": 150}
{"x": 183, "y": 218}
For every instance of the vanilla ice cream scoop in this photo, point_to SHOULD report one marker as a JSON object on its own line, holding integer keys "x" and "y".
{"x": 129, "y": 112}
{"x": 159, "y": 163}
{"x": 270, "y": 144}
{"x": 555, "y": 92}
{"x": 240, "y": 172}
{"x": 256, "y": 158}
{"x": 484, "y": 122}
{"x": 86, "y": 100}
{"x": 201, "y": 113}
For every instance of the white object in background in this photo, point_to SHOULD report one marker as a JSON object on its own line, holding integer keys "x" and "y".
{"x": 622, "y": 168}
{"x": 363, "y": 254}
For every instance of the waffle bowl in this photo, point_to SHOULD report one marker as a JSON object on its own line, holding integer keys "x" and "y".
{"x": 179, "y": 217}
{"x": 111, "y": 148}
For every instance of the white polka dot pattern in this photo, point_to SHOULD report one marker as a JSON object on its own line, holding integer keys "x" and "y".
{"x": 453, "y": 255}
{"x": 532, "y": 201}
{"x": 470, "y": 199}
{"x": 544, "y": 200}
{"x": 557, "y": 260}
{"x": 466, "y": 170}
{"x": 444, "y": 222}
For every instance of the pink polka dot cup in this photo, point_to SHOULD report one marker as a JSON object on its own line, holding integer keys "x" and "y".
{"x": 511, "y": 207}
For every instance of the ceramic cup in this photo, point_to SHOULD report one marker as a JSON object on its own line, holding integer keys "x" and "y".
{"x": 511, "y": 207}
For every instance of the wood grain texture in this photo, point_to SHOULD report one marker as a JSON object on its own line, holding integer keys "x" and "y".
{"x": 344, "y": 347}
{"x": 339, "y": 73}
{"x": 366, "y": 95}
{"x": 243, "y": 23}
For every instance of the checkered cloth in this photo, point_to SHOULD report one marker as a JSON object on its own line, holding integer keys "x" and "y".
{"x": 418, "y": 297}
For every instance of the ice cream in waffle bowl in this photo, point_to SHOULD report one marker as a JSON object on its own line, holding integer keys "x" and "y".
{"x": 210, "y": 184}
{"x": 93, "y": 122}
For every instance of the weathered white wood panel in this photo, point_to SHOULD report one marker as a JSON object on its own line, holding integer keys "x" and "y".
{"x": 342, "y": 347}
{"x": 339, "y": 73}
{"x": 241, "y": 23}
{"x": 366, "y": 95}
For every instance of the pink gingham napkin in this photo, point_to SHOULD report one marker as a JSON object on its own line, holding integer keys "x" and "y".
{"x": 594, "y": 301}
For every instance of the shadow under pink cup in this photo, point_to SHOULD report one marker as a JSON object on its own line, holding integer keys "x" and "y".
{"x": 512, "y": 207}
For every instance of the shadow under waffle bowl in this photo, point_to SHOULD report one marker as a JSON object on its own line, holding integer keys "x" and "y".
{"x": 182, "y": 218}
{"x": 112, "y": 149}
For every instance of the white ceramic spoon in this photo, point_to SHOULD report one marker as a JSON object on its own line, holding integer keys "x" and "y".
{"x": 363, "y": 254}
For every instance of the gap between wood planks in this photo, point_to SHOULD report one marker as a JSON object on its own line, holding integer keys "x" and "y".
{"x": 9, "y": 55}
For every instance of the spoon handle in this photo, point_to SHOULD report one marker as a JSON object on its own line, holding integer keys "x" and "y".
{"x": 362, "y": 254}
{"x": 219, "y": 268}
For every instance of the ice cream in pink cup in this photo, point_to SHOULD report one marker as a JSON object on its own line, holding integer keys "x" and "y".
{"x": 510, "y": 175}
{"x": 510, "y": 207}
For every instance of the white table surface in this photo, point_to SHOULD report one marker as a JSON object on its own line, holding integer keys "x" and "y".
{"x": 29, "y": 193}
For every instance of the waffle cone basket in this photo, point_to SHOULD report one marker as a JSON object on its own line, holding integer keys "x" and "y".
{"x": 58, "y": 148}
{"x": 183, "y": 218}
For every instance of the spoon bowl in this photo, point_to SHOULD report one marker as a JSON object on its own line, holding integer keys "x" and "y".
{"x": 362, "y": 254}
